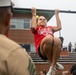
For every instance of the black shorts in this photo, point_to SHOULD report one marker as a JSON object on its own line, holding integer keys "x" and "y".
{"x": 43, "y": 57}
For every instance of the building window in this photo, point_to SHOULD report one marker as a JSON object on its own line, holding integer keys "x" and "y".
{"x": 13, "y": 26}
{"x": 26, "y": 24}
{"x": 32, "y": 48}
{"x": 13, "y": 23}
{"x": 20, "y": 23}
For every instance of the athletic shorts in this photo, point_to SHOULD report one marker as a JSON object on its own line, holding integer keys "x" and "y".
{"x": 43, "y": 57}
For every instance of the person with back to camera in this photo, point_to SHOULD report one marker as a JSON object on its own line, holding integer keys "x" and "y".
{"x": 73, "y": 69}
{"x": 70, "y": 46}
{"x": 47, "y": 46}
{"x": 14, "y": 60}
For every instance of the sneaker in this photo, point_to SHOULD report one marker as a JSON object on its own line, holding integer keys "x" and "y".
{"x": 59, "y": 66}
{"x": 50, "y": 72}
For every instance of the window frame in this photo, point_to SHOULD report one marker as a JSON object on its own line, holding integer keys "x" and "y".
{"x": 14, "y": 21}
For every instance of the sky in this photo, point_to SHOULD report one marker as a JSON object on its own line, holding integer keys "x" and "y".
{"x": 68, "y": 20}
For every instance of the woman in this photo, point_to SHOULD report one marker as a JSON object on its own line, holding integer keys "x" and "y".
{"x": 47, "y": 46}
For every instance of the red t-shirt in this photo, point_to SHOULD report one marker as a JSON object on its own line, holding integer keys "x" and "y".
{"x": 40, "y": 33}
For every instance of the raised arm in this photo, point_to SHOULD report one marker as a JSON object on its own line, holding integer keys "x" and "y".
{"x": 33, "y": 22}
{"x": 58, "y": 27}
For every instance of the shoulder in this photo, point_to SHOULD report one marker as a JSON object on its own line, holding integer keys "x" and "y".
{"x": 34, "y": 29}
{"x": 11, "y": 52}
{"x": 7, "y": 45}
{"x": 21, "y": 58}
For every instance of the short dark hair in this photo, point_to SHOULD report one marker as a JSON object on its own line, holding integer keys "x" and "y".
{"x": 73, "y": 69}
{"x": 74, "y": 72}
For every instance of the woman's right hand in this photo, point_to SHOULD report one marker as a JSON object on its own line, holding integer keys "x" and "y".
{"x": 33, "y": 10}
{"x": 56, "y": 11}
